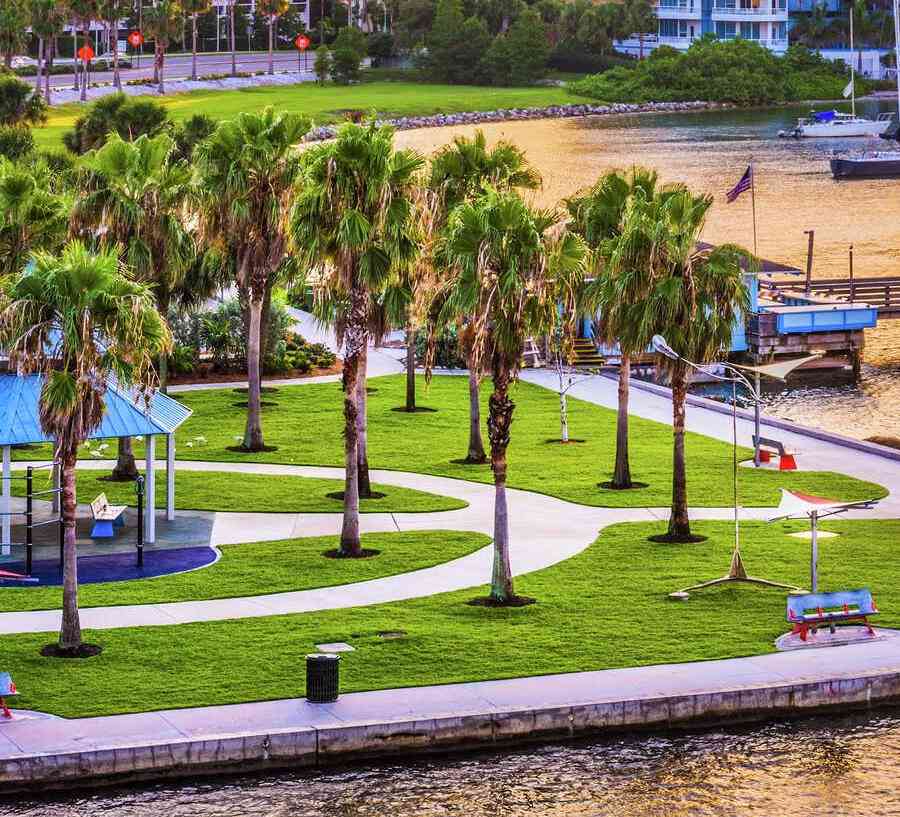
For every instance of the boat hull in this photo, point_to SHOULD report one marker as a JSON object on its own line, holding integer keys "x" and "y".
{"x": 837, "y": 130}
{"x": 868, "y": 169}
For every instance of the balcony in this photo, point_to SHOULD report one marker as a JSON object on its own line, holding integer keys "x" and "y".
{"x": 679, "y": 10}
{"x": 764, "y": 12}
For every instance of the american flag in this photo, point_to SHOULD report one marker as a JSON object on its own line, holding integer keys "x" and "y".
{"x": 742, "y": 186}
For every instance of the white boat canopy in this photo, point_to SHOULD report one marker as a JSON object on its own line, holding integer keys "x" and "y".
{"x": 781, "y": 369}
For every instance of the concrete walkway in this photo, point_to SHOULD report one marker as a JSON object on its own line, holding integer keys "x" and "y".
{"x": 39, "y": 751}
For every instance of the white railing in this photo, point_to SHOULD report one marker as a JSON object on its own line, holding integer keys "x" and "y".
{"x": 684, "y": 5}
{"x": 767, "y": 11}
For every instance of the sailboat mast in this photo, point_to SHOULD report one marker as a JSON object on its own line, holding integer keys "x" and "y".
{"x": 852, "y": 63}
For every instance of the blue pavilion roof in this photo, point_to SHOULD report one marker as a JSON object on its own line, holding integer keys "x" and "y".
{"x": 124, "y": 415}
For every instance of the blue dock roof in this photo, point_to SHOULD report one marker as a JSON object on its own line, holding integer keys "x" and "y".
{"x": 124, "y": 415}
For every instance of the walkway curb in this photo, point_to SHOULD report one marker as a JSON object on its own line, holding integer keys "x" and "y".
{"x": 773, "y": 422}
{"x": 338, "y": 742}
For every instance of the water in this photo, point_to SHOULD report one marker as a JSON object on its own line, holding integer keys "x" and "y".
{"x": 795, "y": 192}
{"x": 842, "y": 766}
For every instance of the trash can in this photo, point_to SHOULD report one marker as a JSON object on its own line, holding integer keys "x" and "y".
{"x": 322, "y": 677}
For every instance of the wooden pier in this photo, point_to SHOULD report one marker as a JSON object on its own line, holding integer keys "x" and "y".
{"x": 881, "y": 293}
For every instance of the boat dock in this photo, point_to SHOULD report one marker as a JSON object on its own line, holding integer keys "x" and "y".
{"x": 881, "y": 293}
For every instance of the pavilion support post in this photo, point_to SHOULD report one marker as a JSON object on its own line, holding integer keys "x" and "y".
{"x": 150, "y": 491}
{"x": 170, "y": 477}
{"x": 814, "y": 552}
{"x": 6, "y": 537}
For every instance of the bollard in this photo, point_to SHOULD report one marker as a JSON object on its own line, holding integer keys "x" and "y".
{"x": 322, "y": 677}
{"x": 29, "y": 517}
{"x": 139, "y": 487}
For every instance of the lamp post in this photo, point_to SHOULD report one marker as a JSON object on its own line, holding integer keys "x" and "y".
{"x": 736, "y": 572}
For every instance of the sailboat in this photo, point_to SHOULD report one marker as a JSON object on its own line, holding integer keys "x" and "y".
{"x": 834, "y": 124}
{"x": 874, "y": 164}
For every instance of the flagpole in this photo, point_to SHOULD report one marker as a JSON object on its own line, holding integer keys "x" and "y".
{"x": 753, "y": 200}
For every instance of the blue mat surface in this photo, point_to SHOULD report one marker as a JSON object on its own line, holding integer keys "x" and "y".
{"x": 116, "y": 567}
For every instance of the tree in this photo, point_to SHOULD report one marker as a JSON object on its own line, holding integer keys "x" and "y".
{"x": 230, "y": 4}
{"x": 246, "y": 173}
{"x": 519, "y": 57}
{"x": 443, "y": 39}
{"x": 639, "y": 18}
{"x": 353, "y": 222}
{"x": 194, "y": 9}
{"x": 129, "y": 117}
{"x": 504, "y": 265}
{"x": 621, "y": 283}
{"x": 112, "y": 12}
{"x": 76, "y": 320}
{"x": 697, "y": 296}
{"x": 13, "y": 24}
{"x": 83, "y": 11}
{"x": 134, "y": 198}
{"x": 20, "y": 104}
{"x": 347, "y": 54}
{"x": 600, "y": 26}
{"x": 272, "y": 10}
{"x": 44, "y": 19}
{"x": 162, "y": 23}
{"x": 323, "y": 65}
{"x": 32, "y": 218}
{"x": 814, "y": 28}
{"x": 460, "y": 172}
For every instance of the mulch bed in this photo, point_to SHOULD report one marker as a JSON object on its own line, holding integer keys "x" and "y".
{"x": 207, "y": 375}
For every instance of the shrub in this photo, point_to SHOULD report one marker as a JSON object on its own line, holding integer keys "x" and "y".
{"x": 19, "y": 104}
{"x": 182, "y": 360}
{"x": 380, "y": 46}
{"x": 519, "y": 57}
{"x": 323, "y": 65}
{"x": 15, "y": 142}
{"x": 349, "y": 49}
{"x": 191, "y": 132}
{"x": 60, "y": 165}
{"x": 446, "y": 349}
{"x": 116, "y": 113}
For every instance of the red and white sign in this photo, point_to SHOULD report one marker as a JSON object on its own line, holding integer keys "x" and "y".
{"x": 85, "y": 53}
{"x": 302, "y": 42}
{"x": 135, "y": 39}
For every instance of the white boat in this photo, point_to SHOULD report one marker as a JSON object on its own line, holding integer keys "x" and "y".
{"x": 836, "y": 125}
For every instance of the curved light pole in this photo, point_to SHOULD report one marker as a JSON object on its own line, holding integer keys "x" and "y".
{"x": 737, "y": 571}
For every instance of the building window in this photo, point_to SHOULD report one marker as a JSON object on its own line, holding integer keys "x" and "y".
{"x": 725, "y": 31}
{"x": 750, "y": 31}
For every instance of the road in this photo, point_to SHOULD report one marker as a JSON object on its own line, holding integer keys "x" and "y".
{"x": 178, "y": 66}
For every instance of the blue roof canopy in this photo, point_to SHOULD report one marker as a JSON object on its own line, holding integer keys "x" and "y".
{"x": 124, "y": 415}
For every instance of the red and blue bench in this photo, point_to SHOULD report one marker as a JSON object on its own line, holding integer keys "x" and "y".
{"x": 106, "y": 518}
{"x": 813, "y": 610}
{"x": 767, "y": 447}
{"x": 7, "y": 689}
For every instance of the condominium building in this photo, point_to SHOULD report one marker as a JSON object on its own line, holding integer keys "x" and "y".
{"x": 683, "y": 21}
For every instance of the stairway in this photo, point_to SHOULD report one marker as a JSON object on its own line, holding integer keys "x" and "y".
{"x": 586, "y": 355}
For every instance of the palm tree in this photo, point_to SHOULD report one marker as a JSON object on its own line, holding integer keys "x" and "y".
{"x": 231, "y": 36}
{"x": 162, "y": 22}
{"x": 13, "y": 26}
{"x": 77, "y": 321}
{"x": 135, "y": 198}
{"x": 460, "y": 172}
{"x": 640, "y": 19}
{"x": 112, "y": 12}
{"x": 246, "y": 173}
{"x": 41, "y": 14}
{"x": 621, "y": 284}
{"x": 272, "y": 9}
{"x": 32, "y": 217}
{"x": 504, "y": 266}
{"x": 697, "y": 296}
{"x": 815, "y": 28}
{"x": 84, "y": 11}
{"x": 194, "y": 8}
{"x": 353, "y": 223}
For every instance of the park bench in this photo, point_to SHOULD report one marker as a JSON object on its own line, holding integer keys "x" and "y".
{"x": 106, "y": 518}
{"x": 812, "y": 610}
{"x": 7, "y": 688}
{"x": 767, "y": 447}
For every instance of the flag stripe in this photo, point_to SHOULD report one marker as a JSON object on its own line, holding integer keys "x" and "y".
{"x": 742, "y": 186}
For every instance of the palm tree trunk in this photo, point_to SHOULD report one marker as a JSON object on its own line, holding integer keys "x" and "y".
{"x": 51, "y": 46}
{"x": 84, "y": 69}
{"x": 126, "y": 467}
{"x": 679, "y": 523}
{"x": 499, "y": 422}
{"x": 476, "y": 445}
{"x": 76, "y": 63}
{"x": 231, "y": 38}
{"x": 622, "y": 472}
{"x": 362, "y": 427}
{"x": 354, "y": 343}
{"x": 194, "y": 47}
{"x": 161, "y": 68}
{"x": 70, "y": 627}
{"x": 271, "y": 44}
{"x": 117, "y": 77}
{"x": 40, "y": 60}
{"x": 410, "y": 368}
{"x": 253, "y": 434}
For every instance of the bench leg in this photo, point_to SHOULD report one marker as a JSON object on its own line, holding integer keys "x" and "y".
{"x": 103, "y": 529}
{"x": 786, "y": 462}
{"x": 4, "y": 708}
{"x": 765, "y": 456}
{"x": 119, "y": 521}
{"x": 868, "y": 626}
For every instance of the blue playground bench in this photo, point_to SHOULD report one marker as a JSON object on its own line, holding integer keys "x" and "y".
{"x": 106, "y": 518}
{"x": 812, "y": 610}
{"x": 7, "y": 688}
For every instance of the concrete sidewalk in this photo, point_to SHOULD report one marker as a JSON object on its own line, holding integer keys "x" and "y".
{"x": 40, "y": 751}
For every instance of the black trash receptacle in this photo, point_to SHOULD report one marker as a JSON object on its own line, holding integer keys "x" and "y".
{"x": 322, "y": 677}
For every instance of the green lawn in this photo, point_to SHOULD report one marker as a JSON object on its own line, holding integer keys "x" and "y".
{"x": 606, "y": 607}
{"x": 306, "y": 428}
{"x": 265, "y": 567}
{"x": 327, "y": 104}
{"x": 253, "y": 493}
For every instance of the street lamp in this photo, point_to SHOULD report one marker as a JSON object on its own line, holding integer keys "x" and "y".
{"x": 736, "y": 572}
